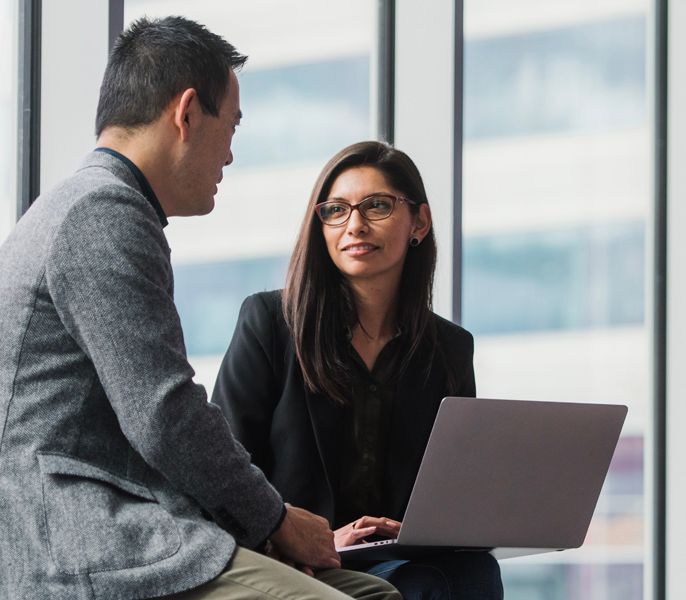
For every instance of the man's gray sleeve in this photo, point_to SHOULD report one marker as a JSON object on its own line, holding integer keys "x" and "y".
{"x": 110, "y": 279}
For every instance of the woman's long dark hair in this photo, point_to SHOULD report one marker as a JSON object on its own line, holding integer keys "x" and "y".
{"x": 317, "y": 302}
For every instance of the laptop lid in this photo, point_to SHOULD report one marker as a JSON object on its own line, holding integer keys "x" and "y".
{"x": 516, "y": 477}
{"x": 511, "y": 474}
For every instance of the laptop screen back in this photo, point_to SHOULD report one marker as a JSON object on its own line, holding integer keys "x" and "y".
{"x": 509, "y": 473}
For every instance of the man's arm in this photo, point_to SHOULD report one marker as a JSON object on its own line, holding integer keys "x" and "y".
{"x": 109, "y": 277}
{"x": 246, "y": 390}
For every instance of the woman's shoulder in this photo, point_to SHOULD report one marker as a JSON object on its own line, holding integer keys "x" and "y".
{"x": 451, "y": 333}
{"x": 262, "y": 309}
{"x": 269, "y": 302}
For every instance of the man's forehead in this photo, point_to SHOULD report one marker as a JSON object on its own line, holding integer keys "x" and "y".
{"x": 233, "y": 95}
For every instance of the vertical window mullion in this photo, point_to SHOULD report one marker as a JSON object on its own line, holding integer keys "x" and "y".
{"x": 458, "y": 95}
{"x": 29, "y": 86}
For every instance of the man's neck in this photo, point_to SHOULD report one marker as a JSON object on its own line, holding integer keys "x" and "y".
{"x": 142, "y": 149}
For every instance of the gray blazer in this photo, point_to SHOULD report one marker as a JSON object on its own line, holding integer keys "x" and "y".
{"x": 117, "y": 478}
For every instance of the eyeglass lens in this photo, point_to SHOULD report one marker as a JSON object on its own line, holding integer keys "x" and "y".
{"x": 373, "y": 208}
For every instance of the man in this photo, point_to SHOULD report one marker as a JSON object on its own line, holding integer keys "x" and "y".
{"x": 117, "y": 478}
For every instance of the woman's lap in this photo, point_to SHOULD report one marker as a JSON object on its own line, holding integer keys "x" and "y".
{"x": 449, "y": 575}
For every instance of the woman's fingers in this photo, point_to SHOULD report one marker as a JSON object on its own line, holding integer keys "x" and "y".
{"x": 355, "y": 532}
{"x": 384, "y": 526}
{"x": 389, "y": 528}
{"x": 360, "y": 534}
{"x": 347, "y": 536}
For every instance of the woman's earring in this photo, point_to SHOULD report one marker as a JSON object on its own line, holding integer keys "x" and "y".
{"x": 414, "y": 241}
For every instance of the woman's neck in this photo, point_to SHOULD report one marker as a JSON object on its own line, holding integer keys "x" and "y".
{"x": 376, "y": 314}
{"x": 376, "y": 310}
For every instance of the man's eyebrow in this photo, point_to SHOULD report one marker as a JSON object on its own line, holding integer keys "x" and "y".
{"x": 239, "y": 115}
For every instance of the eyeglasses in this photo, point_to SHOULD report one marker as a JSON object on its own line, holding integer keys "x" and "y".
{"x": 375, "y": 208}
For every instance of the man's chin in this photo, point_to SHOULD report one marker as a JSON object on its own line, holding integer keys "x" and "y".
{"x": 205, "y": 207}
{"x": 208, "y": 207}
{"x": 195, "y": 207}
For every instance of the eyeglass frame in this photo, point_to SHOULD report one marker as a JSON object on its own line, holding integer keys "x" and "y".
{"x": 354, "y": 207}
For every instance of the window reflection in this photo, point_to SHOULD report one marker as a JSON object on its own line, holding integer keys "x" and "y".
{"x": 209, "y": 295}
{"x": 579, "y": 78}
{"x": 556, "y": 203}
{"x": 305, "y": 94}
{"x": 289, "y": 108}
{"x": 525, "y": 282}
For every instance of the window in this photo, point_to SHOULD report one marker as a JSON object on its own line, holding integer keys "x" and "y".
{"x": 556, "y": 204}
{"x": 8, "y": 117}
{"x": 305, "y": 94}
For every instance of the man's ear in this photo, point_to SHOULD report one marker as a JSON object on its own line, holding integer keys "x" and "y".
{"x": 184, "y": 112}
{"x": 422, "y": 222}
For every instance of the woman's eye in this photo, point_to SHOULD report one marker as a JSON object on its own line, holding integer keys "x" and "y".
{"x": 379, "y": 204}
{"x": 333, "y": 209}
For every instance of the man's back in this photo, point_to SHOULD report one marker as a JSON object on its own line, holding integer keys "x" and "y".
{"x": 117, "y": 478}
{"x": 81, "y": 508}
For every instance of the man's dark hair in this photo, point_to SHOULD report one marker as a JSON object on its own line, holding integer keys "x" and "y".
{"x": 156, "y": 59}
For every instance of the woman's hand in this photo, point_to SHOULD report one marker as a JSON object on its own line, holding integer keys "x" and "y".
{"x": 355, "y": 532}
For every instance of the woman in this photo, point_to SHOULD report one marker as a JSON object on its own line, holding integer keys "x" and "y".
{"x": 333, "y": 384}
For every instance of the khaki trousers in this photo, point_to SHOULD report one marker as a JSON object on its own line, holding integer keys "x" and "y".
{"x": 253, "y": 576}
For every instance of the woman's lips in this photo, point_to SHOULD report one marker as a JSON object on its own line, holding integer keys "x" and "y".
{"x": 359, "y": 249}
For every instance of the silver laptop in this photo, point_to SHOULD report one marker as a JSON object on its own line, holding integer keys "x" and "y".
{"x": 513, "y": 477}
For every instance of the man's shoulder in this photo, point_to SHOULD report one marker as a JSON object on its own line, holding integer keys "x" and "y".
{"x": 103, "y": 178}
{"x": 101, "y": 199}
{"x": 92, "y": 203}
{"x": 98, "y": 185}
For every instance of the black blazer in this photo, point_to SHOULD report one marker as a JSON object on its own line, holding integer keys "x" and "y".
{"x": 293, "y": 434}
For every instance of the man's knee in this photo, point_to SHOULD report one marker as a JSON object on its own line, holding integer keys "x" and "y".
{"x": 358, "y": 585}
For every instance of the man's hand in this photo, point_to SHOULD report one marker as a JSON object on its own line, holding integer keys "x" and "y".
{"x": 306, "y": 539}
{"x": 355, "y": 532}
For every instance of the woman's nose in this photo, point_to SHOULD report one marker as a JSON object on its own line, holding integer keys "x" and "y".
{"x": 357, "y": 223}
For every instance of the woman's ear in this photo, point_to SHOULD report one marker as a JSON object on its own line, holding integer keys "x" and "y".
{"x": 422, "y": 222}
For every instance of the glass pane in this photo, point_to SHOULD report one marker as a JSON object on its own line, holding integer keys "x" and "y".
{"x": 305, "y": 94}
{"x": 557, "y": 197}
{"x": 8, "y": 116}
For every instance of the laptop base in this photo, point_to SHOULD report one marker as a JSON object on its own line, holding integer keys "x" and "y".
{"x": 380, "y": 551}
